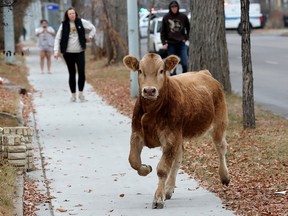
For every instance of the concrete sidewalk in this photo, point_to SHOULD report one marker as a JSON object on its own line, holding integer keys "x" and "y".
{"x": 82, "y": 151}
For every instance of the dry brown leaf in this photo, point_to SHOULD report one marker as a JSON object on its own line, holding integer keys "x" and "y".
{"x": 61, "y": 210}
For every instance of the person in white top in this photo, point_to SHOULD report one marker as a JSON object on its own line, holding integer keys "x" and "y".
{"x": 45, "y": 35}
{"x": 71, "y": 41}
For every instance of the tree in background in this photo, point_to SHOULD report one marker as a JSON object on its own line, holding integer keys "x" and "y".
{"x": 115, "y": 30}
{"x": 247, "y": 88}
{"x": 110, "y": 20}
{"x": 208, "y": 46}
{"x": 78, "y": 5}
{"x": 208, "y": 49}
{"x": 19, "y": 8}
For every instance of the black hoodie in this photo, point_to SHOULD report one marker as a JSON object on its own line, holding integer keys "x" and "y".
{"x": 175, "y": 27}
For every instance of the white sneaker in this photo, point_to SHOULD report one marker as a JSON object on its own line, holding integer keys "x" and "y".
{"x": 73, "y": 98}
{"x": 82, "y": 98}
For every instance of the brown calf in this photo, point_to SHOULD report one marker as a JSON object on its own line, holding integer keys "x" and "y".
{"x": 169, "y": 110}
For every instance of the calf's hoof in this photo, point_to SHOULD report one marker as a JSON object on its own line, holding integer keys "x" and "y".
{"x": 169, "y": 192}
{"x": 158, "y": 205}
{"x": 144, "y": 170}
{"x": 168, "y": 196}
{"x": 225, "y": 181}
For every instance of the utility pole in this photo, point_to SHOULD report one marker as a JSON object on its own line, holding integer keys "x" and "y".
{"x": 9, "y": 43}
{"x": 133, "y": 42}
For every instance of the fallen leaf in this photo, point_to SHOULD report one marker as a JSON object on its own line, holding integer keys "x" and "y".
{"x": 61, "y": 210}
{"x": 280, "y": 192}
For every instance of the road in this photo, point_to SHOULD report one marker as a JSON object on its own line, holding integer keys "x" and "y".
{"x": 269, "y": 63}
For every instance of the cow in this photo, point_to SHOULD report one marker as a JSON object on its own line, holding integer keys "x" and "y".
{"x": 169, "y": 110}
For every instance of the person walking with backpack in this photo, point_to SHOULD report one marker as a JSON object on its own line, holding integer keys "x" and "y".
{"x": 71, "y": 41}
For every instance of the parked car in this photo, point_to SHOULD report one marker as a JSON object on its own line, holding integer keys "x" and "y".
{"x": 155, "y": 44}
{"x": 233, "y": 15}
{"x": 143, "y": 23}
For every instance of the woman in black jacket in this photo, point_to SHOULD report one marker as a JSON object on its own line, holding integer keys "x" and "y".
{"x": 71, "y": 41}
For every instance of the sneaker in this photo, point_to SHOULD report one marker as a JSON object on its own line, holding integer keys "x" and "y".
{"x": 82, "y": 98}
{"x": 73, "y": 98}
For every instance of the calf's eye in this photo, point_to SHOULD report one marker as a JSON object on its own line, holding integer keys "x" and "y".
{"x": 161, "y": 71}
{"x": 140, "y": 71}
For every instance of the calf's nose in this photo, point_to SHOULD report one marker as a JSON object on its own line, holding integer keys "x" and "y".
{"x": 149, "y": 91}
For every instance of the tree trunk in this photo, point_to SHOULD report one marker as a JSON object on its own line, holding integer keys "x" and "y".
{"x": 247, "y": 91}
{"x": 19, "y": 9}
{"x": 79, "y": 6}
{"x": 116, "y": 34}
{"x": 99, "y": 19}
{"x": 93, "y": 19}
{"x": 152, "y": 4}
{"x": 121, "y": 27}
{"x": 208, "y": 46}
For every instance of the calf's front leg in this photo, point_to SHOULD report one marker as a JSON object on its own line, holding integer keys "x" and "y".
{"x": 136, "y": 146}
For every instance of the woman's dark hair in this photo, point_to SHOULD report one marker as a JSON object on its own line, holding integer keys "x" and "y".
{"x": 66, "y": 18}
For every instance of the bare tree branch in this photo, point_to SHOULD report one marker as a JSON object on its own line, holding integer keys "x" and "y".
{"x": 7, "y": 3}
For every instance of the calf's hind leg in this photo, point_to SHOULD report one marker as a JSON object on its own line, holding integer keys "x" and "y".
{"x": 219, "y": 140}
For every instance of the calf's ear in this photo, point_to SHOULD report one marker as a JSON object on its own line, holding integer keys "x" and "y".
{"x": 131, "y": 62}
{"x": 171, "y": 62}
